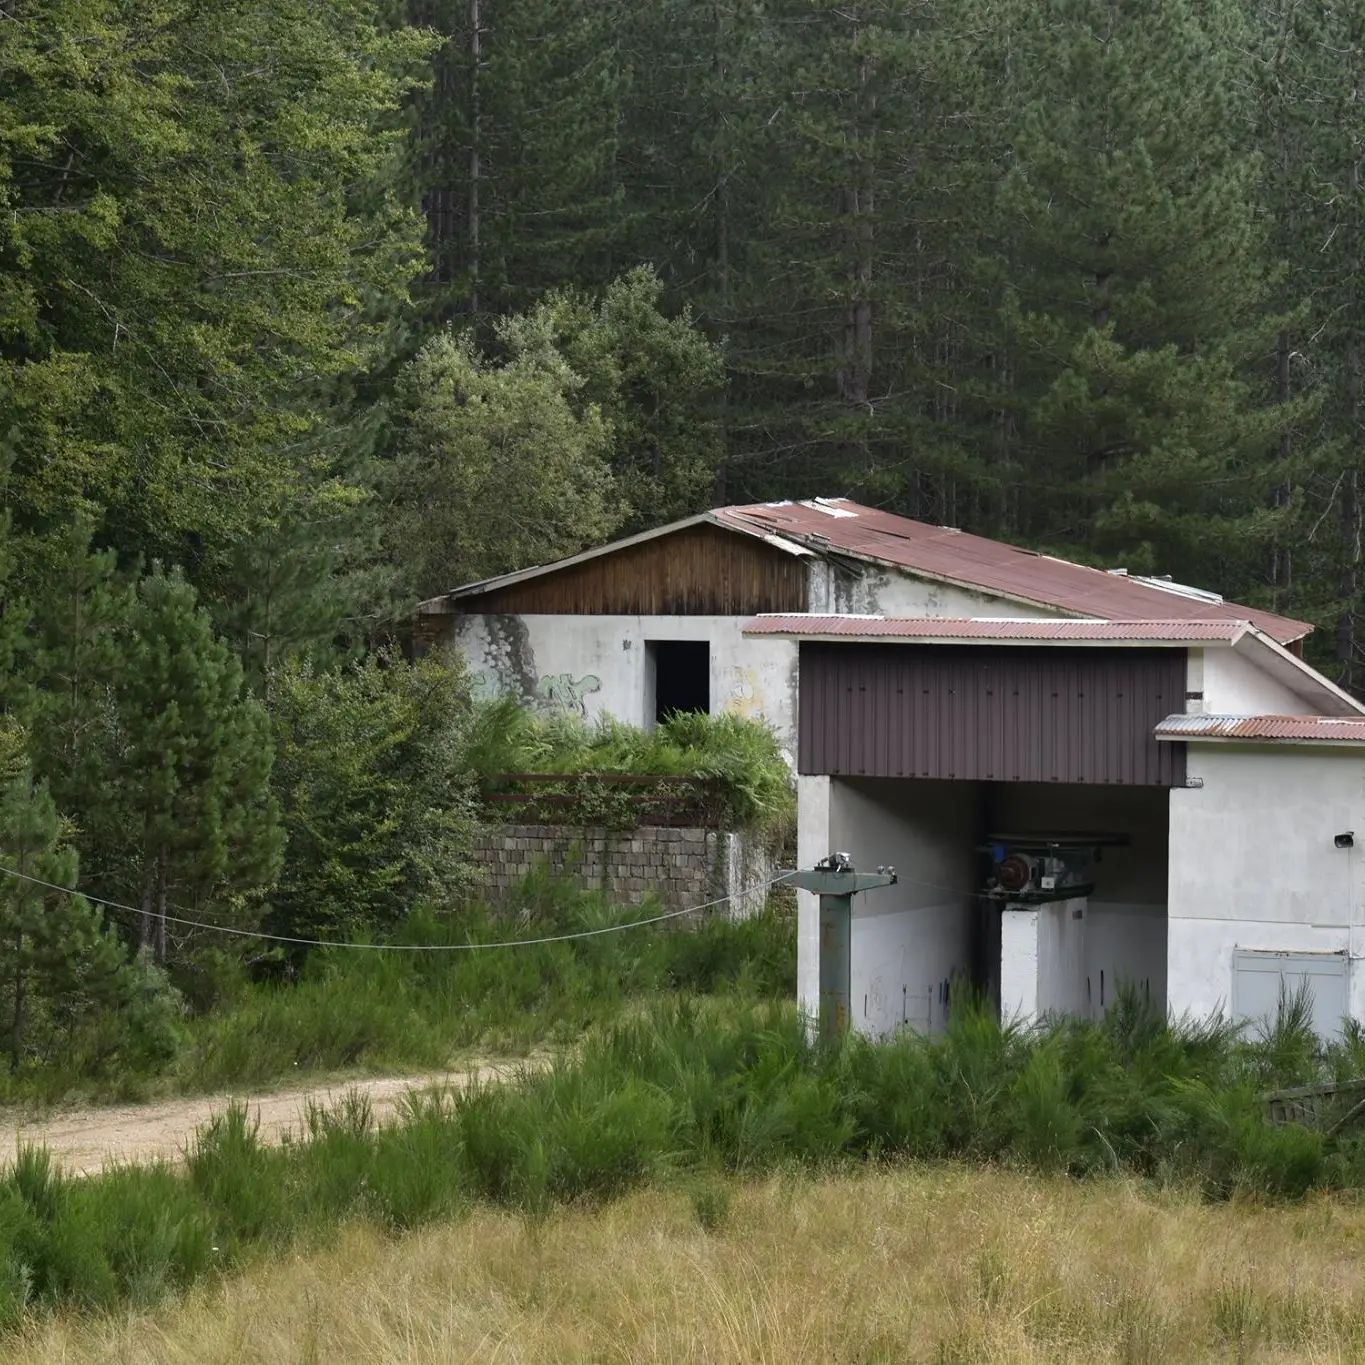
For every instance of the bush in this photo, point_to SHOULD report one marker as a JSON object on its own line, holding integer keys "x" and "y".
{"x": 683, "y": 1090}
{"x": 741, "y": 758}
{"x": 374, "y": 790}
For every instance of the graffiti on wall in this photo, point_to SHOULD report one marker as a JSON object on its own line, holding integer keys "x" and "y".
{"x": 746, "y": 696}
{"x": 554, "y": 691}
{"x": 564, "y": 692}
{"x": 485, "y": 686}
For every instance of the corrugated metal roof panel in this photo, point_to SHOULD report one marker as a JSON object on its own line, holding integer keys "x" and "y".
{"x": 991, "y": 565}
{"x": 911, "y": 629}
{"x": 1303, "y": 729}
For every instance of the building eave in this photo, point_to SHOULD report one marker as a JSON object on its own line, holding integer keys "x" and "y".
{"x": 1272, "y": 658}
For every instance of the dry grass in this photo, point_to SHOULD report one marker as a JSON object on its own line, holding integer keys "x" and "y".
{"x": 927, "y": 1264}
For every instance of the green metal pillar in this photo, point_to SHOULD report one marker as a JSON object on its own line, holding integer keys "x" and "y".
{"x": 836, "y": 882}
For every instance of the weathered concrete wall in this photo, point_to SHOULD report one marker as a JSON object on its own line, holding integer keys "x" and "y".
{"x": 908, "y": 940}
{"x": 1042, "y": 960}
{"x": 1061, "y": 957}
{"x": 1254, "y": 865}
{"x": 870, "y": 591}
{"x": 598, "y": 665}
{"x": 683, "y": 867}
{"x": 1019, "y": 963}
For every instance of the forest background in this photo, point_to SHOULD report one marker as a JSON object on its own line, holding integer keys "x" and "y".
{"x": 312, "y": 308}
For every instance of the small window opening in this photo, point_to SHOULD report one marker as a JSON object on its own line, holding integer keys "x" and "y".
{"x": 681, "y": 671}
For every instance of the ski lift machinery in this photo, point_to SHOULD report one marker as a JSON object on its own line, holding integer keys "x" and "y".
{"x": 1030, "y": 869}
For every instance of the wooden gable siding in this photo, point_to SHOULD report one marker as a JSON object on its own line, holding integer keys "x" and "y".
{"x": 700, "y": 571}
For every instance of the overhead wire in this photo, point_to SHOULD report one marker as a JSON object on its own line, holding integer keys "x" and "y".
{"x": 395, "y": 947}
{"x": 299, "y": 942}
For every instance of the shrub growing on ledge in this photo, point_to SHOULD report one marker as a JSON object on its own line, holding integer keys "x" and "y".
{"x": 731, "y": 767}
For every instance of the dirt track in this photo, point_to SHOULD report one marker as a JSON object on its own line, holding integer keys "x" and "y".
{"x": 83, "y": 1140}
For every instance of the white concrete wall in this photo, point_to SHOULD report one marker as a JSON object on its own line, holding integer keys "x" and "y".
{"x": 1019, "y": 963}
{"x": 883, "y": 592}
{"x": 1125, "y": 922}
{"x": 1061, "y": 957}
{"x": 814, "y": 796}
{"x": 596, "y": 665}
{"x": 1253, "y": 865}
{"x": 1233, "y": 686}
{"x": 907, "y": 940}
{"x": 1042, "y": 960}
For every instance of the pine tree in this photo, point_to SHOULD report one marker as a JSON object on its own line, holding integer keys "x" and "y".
{"x": 517, "y": 151}
{"x": 1136, "y": 289}
{"x": 193, "y": 767}
{"x": 373, "y": 791}
{"x": 73, "y": 663}
{"x": 1312, "y": 128}
{"x": 55, "y": 958}
{"x": 862, "y": 148}
{"x": 193, "y": 205}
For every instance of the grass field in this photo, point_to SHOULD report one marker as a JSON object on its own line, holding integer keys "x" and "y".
{"x": 937, "y": 1263}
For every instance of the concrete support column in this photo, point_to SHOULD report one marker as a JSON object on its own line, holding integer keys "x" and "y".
{"x": 1042, "y": 959}
{"x": 1019, "y": 964}
{"x": 812, "y": 844}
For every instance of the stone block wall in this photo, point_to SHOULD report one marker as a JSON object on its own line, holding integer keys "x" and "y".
{"x": 683, "y": 867}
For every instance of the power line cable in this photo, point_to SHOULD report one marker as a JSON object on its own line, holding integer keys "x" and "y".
{"x": 395, "y": 947}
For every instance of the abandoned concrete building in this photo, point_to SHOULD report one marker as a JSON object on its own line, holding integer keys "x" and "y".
{"x": 1082, "y": 777}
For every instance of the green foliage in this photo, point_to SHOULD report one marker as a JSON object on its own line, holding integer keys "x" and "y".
{"x": 498, "y": 466}
{"x": 193, "y": 206}
{"x": 69, "y": 996}
{"x": 372, "y": 783}
{"x": 683, "y": 1091}
{"x": 518, "y": 149}
{"x": 654, "y": 379}
{"x": 193, "y": 772}
{"x": 1137, "y": 287}
{"x": 740, "y": 757}
{"x": 375, "y": 1009}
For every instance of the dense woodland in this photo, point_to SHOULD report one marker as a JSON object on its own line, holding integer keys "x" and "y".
{"x": 312, "y": 308}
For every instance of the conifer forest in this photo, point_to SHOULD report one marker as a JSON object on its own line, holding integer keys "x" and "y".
{"x": 310, "y": 309}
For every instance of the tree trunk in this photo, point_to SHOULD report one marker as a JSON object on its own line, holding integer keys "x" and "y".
{"x": 855, "y": 377}
{"x": 147, "y": 931}
{"x": 161, "y": 891}
{"x": 1351, "y": 513}
{"x": 1280, "y": 565}
{"x": 724, "y": 284}
{"x": 16, "y": 1028}
{"x": 475, "y": 166}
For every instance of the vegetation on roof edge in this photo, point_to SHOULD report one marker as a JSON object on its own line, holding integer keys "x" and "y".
{"x": 738, "y": 758}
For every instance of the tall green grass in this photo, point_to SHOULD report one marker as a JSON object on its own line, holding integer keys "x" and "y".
{"x": 416, "y": 1009}
{"x": 370, "y": 1009}
{"x": 689, "y": 1090}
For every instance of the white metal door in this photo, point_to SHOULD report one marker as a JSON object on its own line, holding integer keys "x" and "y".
{"x": 1257, "y": 979}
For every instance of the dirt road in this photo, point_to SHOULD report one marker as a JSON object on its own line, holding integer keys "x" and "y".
{"x": 83, "y": 1140}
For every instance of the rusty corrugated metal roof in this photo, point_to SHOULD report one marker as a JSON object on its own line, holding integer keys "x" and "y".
{"x": 913, "y": 629}
{"x": 1300, "y": 729}
{"x": 990, "y": 565}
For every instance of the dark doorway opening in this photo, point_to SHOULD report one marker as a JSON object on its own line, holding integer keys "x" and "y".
{"x": 682, "y": 676}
